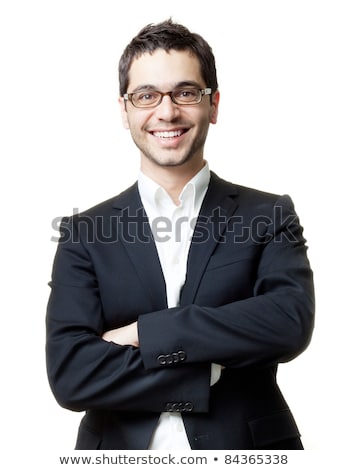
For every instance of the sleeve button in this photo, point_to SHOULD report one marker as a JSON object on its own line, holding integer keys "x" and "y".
{"x": 182, "y": 356}
{"x": 188, "y": 406}
{"x": 162, "y": 360}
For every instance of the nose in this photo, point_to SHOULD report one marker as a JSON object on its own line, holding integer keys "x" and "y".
{"x": 167, "y": 110}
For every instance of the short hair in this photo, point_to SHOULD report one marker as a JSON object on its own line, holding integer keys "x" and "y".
{"x": 168, "y": 35}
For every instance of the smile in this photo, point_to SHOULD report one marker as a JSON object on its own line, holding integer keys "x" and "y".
{"x": 169, "y": 134}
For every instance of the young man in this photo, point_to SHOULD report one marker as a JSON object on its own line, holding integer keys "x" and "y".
{"x": 173, "y": 303}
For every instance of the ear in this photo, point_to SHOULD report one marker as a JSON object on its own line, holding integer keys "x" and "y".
{"x": 214, "y": 107}
{"x": 124, "y": 113}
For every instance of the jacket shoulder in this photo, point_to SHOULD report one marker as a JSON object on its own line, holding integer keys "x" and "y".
{"x": 125, "y": 198}
{"x": 244, "y": 193}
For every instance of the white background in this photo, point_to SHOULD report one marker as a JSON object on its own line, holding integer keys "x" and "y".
{"x": 282, "y": 69}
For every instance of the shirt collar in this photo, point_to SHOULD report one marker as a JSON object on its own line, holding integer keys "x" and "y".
{"x": 153, "y": 194}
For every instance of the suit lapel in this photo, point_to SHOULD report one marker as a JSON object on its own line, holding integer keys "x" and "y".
{"x": 218, "y": 206}
{"x": 134, "y": 232}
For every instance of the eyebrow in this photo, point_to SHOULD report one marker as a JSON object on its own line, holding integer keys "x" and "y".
{"x": 185, "y": 83}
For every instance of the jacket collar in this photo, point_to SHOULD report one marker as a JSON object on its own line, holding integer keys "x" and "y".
{"x": 218, "y": 206}
{"x": 219, "y": 191}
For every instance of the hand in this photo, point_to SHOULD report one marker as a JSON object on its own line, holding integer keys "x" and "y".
{"x": 124, "y": 336}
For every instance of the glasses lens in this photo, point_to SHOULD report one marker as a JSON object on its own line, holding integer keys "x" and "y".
{"x": 143, "y": 99}
{"x": 187, "y": 95}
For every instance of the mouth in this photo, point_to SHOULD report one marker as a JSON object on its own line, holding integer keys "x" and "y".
{"x": 172, "y": 134}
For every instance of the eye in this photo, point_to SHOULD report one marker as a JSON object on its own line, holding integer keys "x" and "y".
{"x": 187, "y": 95}
{"x": 146, "y": 96}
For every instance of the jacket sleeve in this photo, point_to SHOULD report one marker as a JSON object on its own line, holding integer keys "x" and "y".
{"x": 272, "y": 325}
{"x": 86, "y": 372}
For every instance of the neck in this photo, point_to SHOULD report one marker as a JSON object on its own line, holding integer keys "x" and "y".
{"x": 172, "y": 178}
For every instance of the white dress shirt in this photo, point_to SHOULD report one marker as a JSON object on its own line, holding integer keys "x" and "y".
{"x": 172, "y": 227}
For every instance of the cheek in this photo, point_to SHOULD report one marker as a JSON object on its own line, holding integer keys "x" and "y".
{"x": 205, "y": 117}
{"x": 136, "y": 122}
{"x": 205, "y": 121}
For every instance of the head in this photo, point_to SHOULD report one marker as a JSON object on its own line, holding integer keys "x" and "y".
{"x": 168, "y": 61}
{"x": 168, "y": 36}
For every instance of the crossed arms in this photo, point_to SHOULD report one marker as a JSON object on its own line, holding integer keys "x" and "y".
{"x": 91, "y": 366}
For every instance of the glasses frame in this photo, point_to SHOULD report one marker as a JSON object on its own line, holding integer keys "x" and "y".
{"x": 203, "y": 92}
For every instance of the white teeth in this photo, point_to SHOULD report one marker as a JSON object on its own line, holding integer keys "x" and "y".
{"x": 167, "y": 134}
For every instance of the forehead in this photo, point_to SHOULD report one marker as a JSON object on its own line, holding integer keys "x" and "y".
{"x": 163, "y": 69}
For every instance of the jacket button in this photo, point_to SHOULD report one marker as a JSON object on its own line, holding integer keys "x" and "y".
{"x": 175, "y": 357}
{"x": 179, "y": 406}
{"x": 162, "y": 359}
{"x": 170, "y": 359}
{"x": 188, "y": 406}
{"x": 181, "y": 355}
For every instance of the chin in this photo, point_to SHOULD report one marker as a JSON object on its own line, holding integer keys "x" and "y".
{"x": 170, "y": 162}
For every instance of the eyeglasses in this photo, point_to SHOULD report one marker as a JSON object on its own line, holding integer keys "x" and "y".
{"x": 152, "y": 98}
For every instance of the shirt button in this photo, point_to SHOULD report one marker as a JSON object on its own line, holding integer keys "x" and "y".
{"x": 176, "y": 260}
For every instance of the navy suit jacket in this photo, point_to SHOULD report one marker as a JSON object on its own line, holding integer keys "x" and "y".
{"x": 247, "y": 304}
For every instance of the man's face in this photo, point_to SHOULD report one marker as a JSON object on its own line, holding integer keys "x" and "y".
{"x": 187, "y": 124}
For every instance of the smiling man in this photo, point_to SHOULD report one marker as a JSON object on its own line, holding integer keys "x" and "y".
{"x": 169, "y": 332}
{"x": 167, "y": 134}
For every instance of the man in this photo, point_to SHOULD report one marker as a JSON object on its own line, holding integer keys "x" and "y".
{"x": 173, "y": 303}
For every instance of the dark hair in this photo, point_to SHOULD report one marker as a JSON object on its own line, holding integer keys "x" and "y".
{"x": 168, "y": 35}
